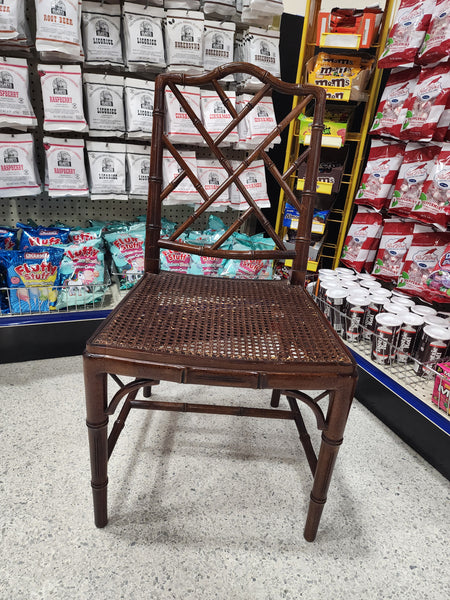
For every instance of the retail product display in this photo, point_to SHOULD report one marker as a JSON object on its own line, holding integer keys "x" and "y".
{"x": 16, "y": 110}
{"x": 18, "y": 171}
{"x": 65, "y": 169}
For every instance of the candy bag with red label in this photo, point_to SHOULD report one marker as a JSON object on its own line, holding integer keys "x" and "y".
{"x": 8, "y": 238}
{"x": 400, "y": 84}
{"x": 439, "y": 280}
{"x": 433, "y": 205}
{"x": 33, "y": 237}
{"x": 395, "y": 240}
{"x": 82, "y": 274}
{"x": 424, "y": 253}
{"x": 407, "y": 34}
{"x": 416, "y": 166}
{"x": 363, "y": 234}
{"x": 380, "y": 173}
{"x": 31, "y": 277}
{"x": 426, "y": 103}
{"x": 436, "y": 44}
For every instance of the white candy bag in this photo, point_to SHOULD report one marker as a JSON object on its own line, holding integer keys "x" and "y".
{"x": 62, "y": 97}
{"x": 58, "y": 27}
{"x": 221, "y": 8}
{"x": 107, "y": 171}
{"x": 179, "y": 127}
{"x": 65, "y": 173}
{"x": 138, "y": 164}
{"x": 185, "y": 192}
{"x": 182, "y": 4}
{"x": 104, "y": 100}
{"x": 184, "y": 40}
{"x": 18, "y": 171}
{"x": 139, "y": 99}
{"x": 12, "y": 19}
{"x": 215, "y": 116}
{"x": 101, "y": 33}
{"x": 218, "y": 46}
{"x": 212, "y": 175}
{"x": 261, "y": 48}
{"x": 254, "y": 181}
{"x": 16, "y": 110}
{"x": 143, "y": 35}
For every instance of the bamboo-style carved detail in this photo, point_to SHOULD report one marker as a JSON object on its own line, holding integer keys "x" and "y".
{"x": 312, "y": 403}
{"x": 135, "y": 385}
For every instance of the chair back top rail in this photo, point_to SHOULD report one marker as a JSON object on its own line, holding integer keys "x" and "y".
{"x": 160, "y": 141}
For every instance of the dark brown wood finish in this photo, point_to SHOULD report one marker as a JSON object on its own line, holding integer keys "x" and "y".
{"x": 223, "y": 332}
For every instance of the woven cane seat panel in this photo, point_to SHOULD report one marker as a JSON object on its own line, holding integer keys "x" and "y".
{"x": 213, "y": 318}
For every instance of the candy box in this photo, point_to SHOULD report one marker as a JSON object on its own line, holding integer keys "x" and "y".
{"x": 441, "y": 391}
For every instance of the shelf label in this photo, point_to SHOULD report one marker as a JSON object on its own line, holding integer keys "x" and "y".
{"x": 323, "y": 187}
{"x": 340, "y": 40}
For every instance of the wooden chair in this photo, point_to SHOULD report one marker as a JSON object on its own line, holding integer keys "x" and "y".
{"x": 217, "y": 331}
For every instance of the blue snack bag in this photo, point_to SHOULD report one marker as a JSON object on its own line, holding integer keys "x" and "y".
{"x": 127, "y": 250}
{"x": 246, "y": 268}
{"x": 8, "y": 238}
{"x": 31, "y": 277}
{"x": 33, "y": 237}
{"x": 261, "y": 242}
{"x": 80, "y": 235}
{"x": 82, "y": 274}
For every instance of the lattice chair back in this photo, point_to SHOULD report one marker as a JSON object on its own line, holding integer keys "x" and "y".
{"x": 306, "y": 97}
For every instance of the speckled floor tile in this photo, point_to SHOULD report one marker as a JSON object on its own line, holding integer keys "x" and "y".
{"x": 207, "y": 507}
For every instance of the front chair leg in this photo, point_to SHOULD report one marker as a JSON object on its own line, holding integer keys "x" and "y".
{"x": 332, "y": 437}
{"x": 97, "y": 423}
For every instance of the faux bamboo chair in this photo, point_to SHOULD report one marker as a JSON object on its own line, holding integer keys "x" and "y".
{"x": 217, "y": 331}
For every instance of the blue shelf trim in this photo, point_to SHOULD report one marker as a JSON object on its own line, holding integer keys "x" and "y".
{"x": 415, "y": 402}
{"x": 48, "y": 319}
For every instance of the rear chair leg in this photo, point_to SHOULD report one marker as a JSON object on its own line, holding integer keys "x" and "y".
{"x": 97, "y": 423}
{"x": 332, "y": 438}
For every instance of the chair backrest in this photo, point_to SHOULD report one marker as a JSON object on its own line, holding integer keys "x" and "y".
{"x": 309, "y": 96}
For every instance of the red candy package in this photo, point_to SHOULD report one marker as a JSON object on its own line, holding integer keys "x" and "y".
{"x": 443, "y": 124}
{"x": 388, "y": 119}
{"x": 422, "y": 257}
{"x": 380, "y": 173}
{"x": 407, "y": 34}
{"x": 426, "y": 104}
{"x": 364, "y": 230}
{"x": 417, "y": 164}
{"x": 395, "y": 241}
{"x": 438, "y": 282}
{"x": 434, "y": 202}
{"x": 436, "y": 44}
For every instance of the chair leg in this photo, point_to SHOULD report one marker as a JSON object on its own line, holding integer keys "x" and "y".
{"x": 97, "y": 423}
{"x": 332, "y": 438}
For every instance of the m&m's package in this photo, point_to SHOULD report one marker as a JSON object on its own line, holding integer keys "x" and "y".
{"x": 8, "y": 238}
{"x": 33, "y": 237}
{"x": 31, "y": 277}
{"x": 127, "y": 250}
{"x": 82, "y": 274}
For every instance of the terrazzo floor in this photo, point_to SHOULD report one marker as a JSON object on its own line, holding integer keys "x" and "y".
{"x": 207, "y": 507}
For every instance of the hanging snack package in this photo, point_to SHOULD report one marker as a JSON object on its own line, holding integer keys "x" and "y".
{"x": 216, "y": 117}
{"x": 400, "y": 84}
{"x": 253, "y": 16}
{"x": 82, "y": 275}
{"x": 394, "y": 244}
{"x": 31, "y": 277}
{"x": 18, "y": 170}
{"x": 261, "y": 48}
{"x": 179, "y": 127}
{"x": 436, "y": 45}
{"x": 438, "y": 282}
{"x": 417, "y": 164}
{"x": 218, "y": 46}
{"x": 426, "y": 104}
{"x": 65, "y": 171}
{"x": 184, "y": 40}
{"x": 12, "y": 19}
{"x": 107, "y": 170}
{"x": 8, "y": 238}
{"x": 34, "y": 236}
{"x": 101, "y": 33}
{"x": 62, "y": 97}
{"x": 423, "y": 255}
{"x": 365, "y": 228}
{"x": 433, "y": 206}
{"x": 219, "y": 8}
{"x": 127, "y": 250}
{"x": 139, "y": 100}
{"x": 443, "y": 124}
{"x": 16, "y": 110}
{"x": 212, "y": 175}
{"x": 253, "y": 180}
{"x": 185, "y": 192}
{"x": 58, "y": 28}
{"x": 138, "y": 163}
{"x": 104, "y": 99}
{"x": 144, "y": 38}
{"x": 261, "y": 121}
{"x": 380, "y": 173}
{"x": 407, "y": 34}
{"x": 184, "y": 4}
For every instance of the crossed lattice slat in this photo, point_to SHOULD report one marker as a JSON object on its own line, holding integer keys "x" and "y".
{"x": 233, "y": 175}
